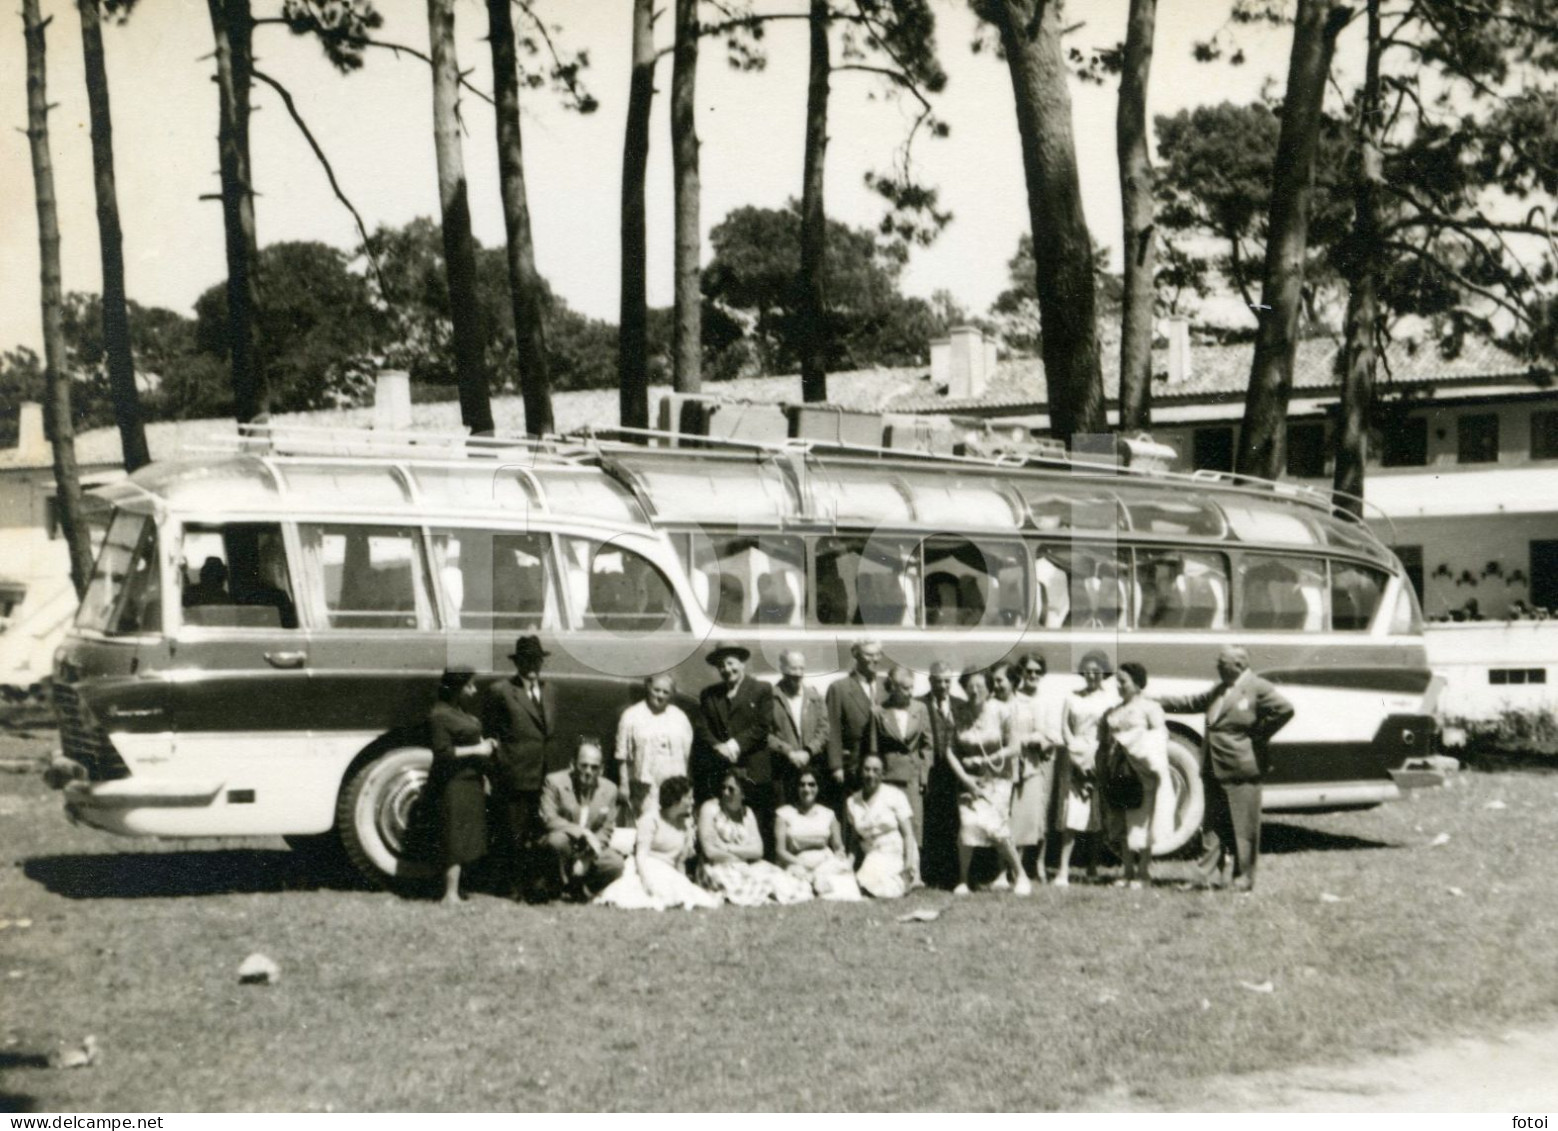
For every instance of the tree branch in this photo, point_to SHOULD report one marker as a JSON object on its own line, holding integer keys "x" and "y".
{"x": 335, "y": 185}
{"x": 401, "y": 48}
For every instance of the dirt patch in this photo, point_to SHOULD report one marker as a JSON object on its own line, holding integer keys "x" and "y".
{"x": 1512, "y": 1072}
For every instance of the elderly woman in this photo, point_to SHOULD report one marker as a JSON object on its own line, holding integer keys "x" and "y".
{"x": 456, "y": 786}
{"x": 656, "y": 878}
{"x": 1035, "y": 709}
{"x": 883, "y": 822}
{"x": 1135, "y": 731}
{"x": 980, "y": 761}
{"x": 810, "y": 845}
{"x": 732, "y": 844}
{"x": 1078, "y": 785}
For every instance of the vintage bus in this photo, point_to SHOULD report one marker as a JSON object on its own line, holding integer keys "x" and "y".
{"x": 265, "y": 626}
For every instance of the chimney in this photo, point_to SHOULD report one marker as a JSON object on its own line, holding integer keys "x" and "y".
{"x": 966, "y": 371}
{"x": 392, "y": 401}
{"x": 32, "y": 443}
{"x": 940, "y": 362}
{"x": 1180, "y": 366}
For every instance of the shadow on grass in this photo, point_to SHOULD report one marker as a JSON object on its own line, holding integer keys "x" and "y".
{"x": 1276, "y": 837}
{"x": 140, "y": 875}
{"x": 15, "y": 1104}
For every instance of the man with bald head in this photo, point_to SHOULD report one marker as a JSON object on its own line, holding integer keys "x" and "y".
{"x": 1243, "y": 711}
{"x": 798, "y": 739}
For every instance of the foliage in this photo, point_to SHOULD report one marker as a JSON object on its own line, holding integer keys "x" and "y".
{"x": 751, "y": 277}
{"x": 1015, "y": 311}
{"x": 1515, "y": 736}
{"x": 341, "y": 27}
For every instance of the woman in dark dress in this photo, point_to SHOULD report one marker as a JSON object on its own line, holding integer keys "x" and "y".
{"x": 455, "y": 784}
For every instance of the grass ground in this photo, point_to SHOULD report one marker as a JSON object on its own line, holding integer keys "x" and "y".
{"x": 1374, "y": 939}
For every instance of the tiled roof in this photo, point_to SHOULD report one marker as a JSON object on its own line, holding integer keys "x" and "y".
{"x": 1222, "y": 372}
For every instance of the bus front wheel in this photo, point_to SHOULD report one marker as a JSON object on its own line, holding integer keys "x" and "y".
{"x": 377, "y": 818}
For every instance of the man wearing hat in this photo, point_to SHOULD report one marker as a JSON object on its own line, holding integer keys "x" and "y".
{"x": 520, "y": 716}
{"x": 733, "y": 721}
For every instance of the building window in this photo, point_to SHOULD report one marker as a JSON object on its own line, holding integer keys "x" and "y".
{"x": 1404, "y": 443}
{"x": 1544, "y": 435}
{"x": 1412, "y": 564}
{"x": 1503, "y": 676}
{"x": 1306, "y": 451}
{"x": 1477, "y": 439}
{"x": 1213, "y": 449}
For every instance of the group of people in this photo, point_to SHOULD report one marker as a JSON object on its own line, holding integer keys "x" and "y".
{"x": 781, "y": 794}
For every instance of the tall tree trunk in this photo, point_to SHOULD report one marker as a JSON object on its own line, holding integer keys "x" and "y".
{"x": 813, "y": 305}
{"x": 470, "y": 362}
{"x": 632, "y": 322}
{"x": 116, "y": 315}
{"x": 1361, "y": 264}
{"x": 1063, "y": 251}
{"x": 61, "y": 427}
{"x": 687, "y": 326}
{"x": 525, "y": 286}
{"x": 232, "y": 27}
{"x": 1263, "y": 437}
{"x": 1140, "y": 234}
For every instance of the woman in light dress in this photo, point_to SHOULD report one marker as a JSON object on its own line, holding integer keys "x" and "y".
{"x": 1036, "y": 707}
{"x": 1080, "y": 720}
{"x": 810, "y": 845}
{"x": 883, "y": 822}
{"x": 1136, "y": 731}
{"x": 732, "y": 845}
{"x": 656, "y": 876}
{"x": 980, "y": 761}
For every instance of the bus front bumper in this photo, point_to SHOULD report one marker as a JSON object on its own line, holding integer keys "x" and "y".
{"x": 129, "y": 806}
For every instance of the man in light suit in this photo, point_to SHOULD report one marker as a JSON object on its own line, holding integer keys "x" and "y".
{"x": 851, "y": 700}
{"x": 519, "y": 715}
{"x": 901, "y": 733}
{"x": 1243, "y": 711}
{"x": 734, "y": 717}
{"x": 798, "y": 739}
{"x": 578, "y": 811}
{"x": 948, "y": 715}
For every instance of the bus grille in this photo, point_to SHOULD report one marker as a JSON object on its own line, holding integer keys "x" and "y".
{"x": 85, "y": 744}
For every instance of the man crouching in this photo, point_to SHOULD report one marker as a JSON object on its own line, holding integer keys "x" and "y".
{"x": 579, "y": 810}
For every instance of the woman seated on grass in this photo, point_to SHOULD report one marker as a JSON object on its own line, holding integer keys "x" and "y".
{"x": 884, "y": 826}
{"x": 656, "y": 877}
{"x": 732, "y": 845}
{"x": 810, "y": 846}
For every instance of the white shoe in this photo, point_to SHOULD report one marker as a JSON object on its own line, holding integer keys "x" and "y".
{"x": 1060, "y": 882}
{"x": 1023, "y": 886}
{"x": 961, "y": 889}
{"x": 1000, "y": 883}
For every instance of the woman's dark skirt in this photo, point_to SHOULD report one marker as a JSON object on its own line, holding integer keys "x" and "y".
{"x": 461, "y": 805}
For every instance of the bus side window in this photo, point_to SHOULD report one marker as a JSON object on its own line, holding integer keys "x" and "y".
{"x": 1355, "y": 596}
{"x": 235, "y": 576}
{"x": 366, "y": 576}
{"x": 140, "y": 610}
{"x": 867, "y": 581}
{"x": 969, "y": 583}
{"x": 751, "y": 579}
{"x": 1181, "y": 589}
{"x": 619, "y": 590}
{"x": 1082, "y": 587}
{"x": 1286, "y": 593}
{"x": 496, "y": 580}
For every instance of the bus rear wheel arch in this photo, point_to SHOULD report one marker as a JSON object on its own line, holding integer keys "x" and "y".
{"x": 377, "y": 820}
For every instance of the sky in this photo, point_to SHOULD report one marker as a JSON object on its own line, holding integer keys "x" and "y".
{"x": 376, "y": 127}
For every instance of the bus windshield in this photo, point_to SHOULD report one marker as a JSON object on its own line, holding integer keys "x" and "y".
{"x": 125, "y": 594}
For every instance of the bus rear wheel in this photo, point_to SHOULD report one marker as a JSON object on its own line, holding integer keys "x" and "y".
{"x": 378, "y": 821}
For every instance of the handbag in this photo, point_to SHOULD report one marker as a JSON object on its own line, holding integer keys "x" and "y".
{"x": 1122, "y": 789}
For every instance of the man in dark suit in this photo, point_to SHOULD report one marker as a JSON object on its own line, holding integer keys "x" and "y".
{"x": 578, "y": 811}
{"x": 731, "y": 729}
{"x": 798, "y": 739}
{"x": 938, "y": 854}
{"x": 901, "y": 733}
{"x": 519, "y": 716}
{"x": 1243, "y": 711}
{"x": 851, "y": 700}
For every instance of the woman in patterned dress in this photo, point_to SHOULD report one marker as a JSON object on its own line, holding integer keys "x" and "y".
{"x": 656, "y": 877}
{"x": 1081, "y": 811}
{"x": 883, "y": 822}
{"x": 983, "y": 767}
{"x": 809, "y": 844}
{"x": 1136, "y": 731}
{"x": 456, "y": 786}
{"x": 732, "y": 845}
